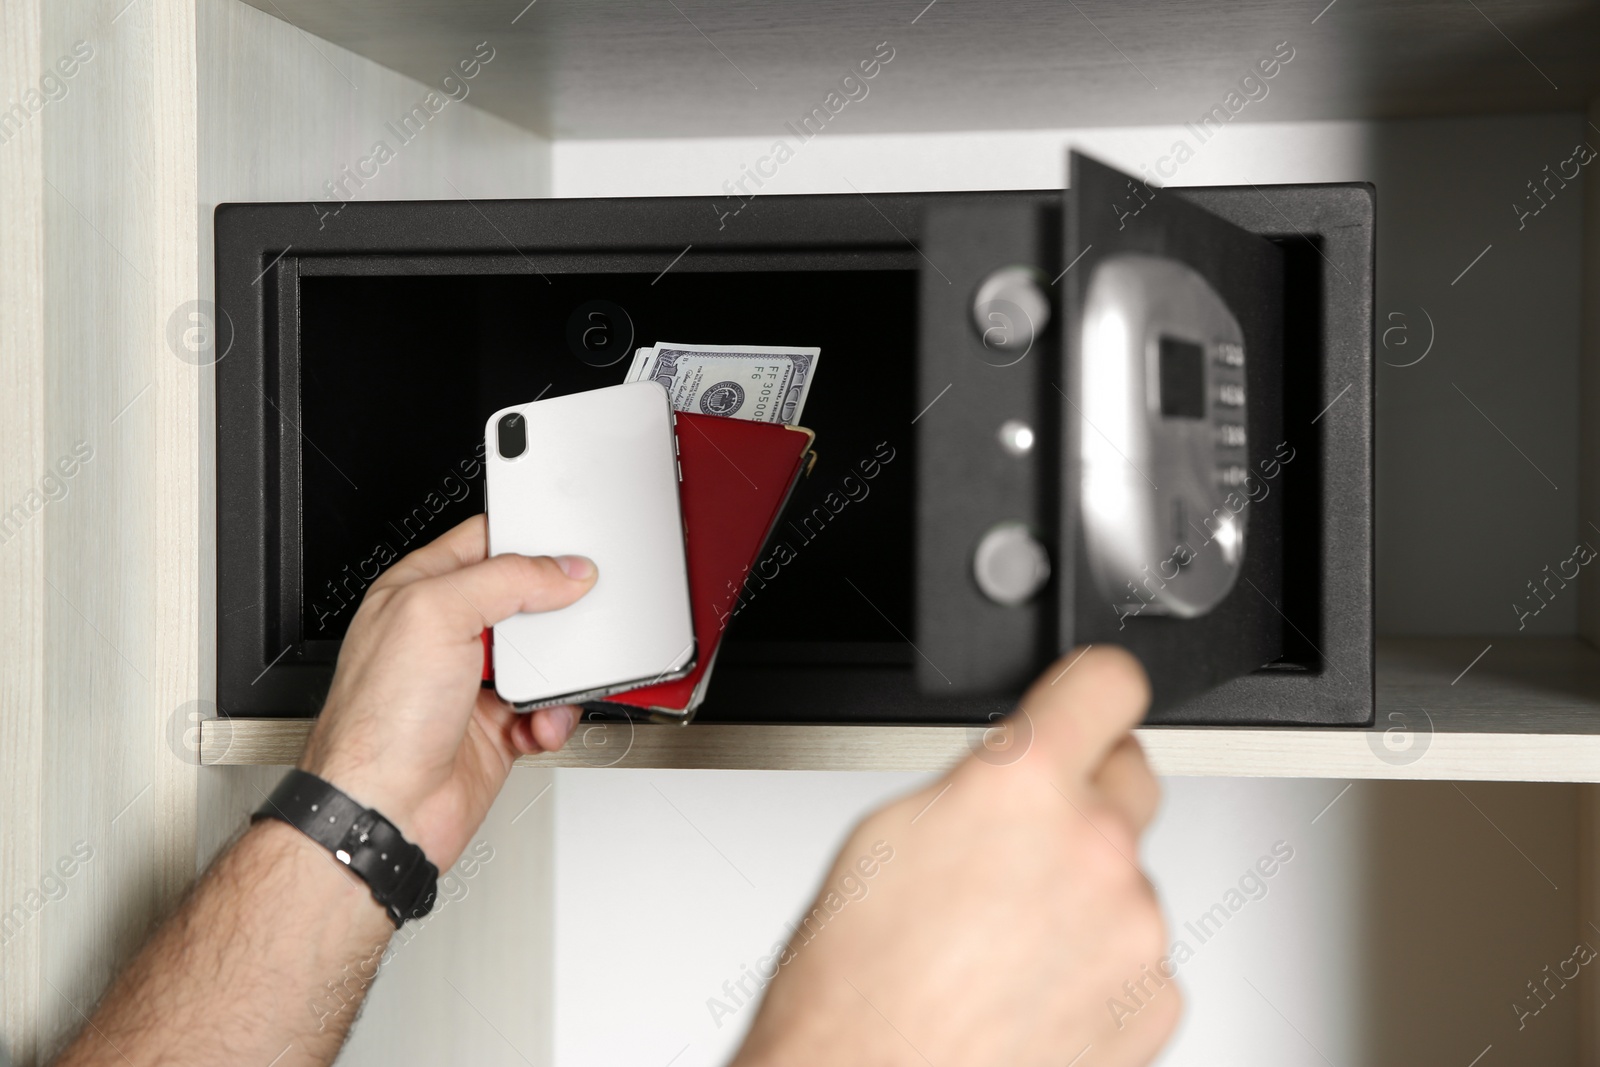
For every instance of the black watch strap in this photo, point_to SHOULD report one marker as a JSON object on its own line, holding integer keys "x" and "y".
{"x": 400, "y": 876}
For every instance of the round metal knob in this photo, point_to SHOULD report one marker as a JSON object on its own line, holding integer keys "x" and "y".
{"x": 1010, "y": 564}
{"x": 1010, "y": 311}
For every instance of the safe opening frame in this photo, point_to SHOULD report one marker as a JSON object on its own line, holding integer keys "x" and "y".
{"x": 262, "y": 250}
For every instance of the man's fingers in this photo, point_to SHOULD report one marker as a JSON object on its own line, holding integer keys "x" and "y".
{"x": 544, "y": 730}
{"x": 1124, "y": 779}
{"x": 495, "y": 589}
{"x": 1083, "y": 706}
{"x": 551, "y": 727}
{"x": 460, "y": 546}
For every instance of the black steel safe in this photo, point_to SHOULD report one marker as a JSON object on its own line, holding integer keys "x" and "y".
{"x": 362, "y": 349}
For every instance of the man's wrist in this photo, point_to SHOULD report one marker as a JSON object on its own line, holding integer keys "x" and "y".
{"x": 360, "y": 838}
{"x": 330, "y": 763}
{"x": 369, "y": 791}
{"x": 309, "y": 867}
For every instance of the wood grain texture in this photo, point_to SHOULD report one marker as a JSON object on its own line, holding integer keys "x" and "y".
{"x": 1527, "y": 710}
{"x": 1589, "y": 396}
{"x": 1221, "y": 752}
{"x": 100, "y": 584}
{"x": 638, "y": 68}
{"x": 22, "y": 589}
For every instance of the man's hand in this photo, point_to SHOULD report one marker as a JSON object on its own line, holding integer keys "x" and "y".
{"x": 270, "y": 957}
{"x": 407, "y": 728}
{"x": 1010, "y": 910}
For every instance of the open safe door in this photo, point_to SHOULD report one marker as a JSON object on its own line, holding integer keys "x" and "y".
{"x": 1172, "y": 417}
{"x": 1104, "y": 468}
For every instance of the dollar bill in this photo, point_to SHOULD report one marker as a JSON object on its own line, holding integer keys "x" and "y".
{"x": 761, "y": 383}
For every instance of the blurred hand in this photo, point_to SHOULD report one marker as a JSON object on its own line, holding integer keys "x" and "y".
{"x": 1004, "y": 906}
{"x": 407, "y": 728}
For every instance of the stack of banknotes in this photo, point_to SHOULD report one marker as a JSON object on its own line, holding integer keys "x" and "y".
{"x": 760, "y": 383}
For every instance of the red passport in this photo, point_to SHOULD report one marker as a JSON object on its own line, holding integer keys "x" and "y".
{"x": 737, "y": 476}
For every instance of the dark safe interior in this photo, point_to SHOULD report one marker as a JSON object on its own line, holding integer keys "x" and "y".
{"x": 398, "y": 374}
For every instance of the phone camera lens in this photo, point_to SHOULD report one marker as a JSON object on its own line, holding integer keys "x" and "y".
{"x": 513, "y": 435}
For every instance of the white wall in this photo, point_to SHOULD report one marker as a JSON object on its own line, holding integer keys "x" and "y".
{"x": 667, "y": 883}
{"x": 1400, "y": 933}
{"x": 1408, "y": 922}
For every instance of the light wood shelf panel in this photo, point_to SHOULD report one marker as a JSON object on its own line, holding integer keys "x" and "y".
{"x": 1527, "y": 710}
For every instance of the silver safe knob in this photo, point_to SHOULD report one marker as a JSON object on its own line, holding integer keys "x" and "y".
{"x": 1010, "y": 564}
{"x": 1010, "y": 311}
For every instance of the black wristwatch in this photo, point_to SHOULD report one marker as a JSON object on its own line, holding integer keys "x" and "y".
{"x": 402, "y": 879}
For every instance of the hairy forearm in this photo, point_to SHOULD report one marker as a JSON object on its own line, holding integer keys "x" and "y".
{"x": 266, "y": 962}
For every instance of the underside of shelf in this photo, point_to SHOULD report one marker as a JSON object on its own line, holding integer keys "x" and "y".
{"x": 632, "y": 68}
{"x": 1461, "y": 709}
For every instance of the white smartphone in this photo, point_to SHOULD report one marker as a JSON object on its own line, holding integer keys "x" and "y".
{"x": 592, "y": 474}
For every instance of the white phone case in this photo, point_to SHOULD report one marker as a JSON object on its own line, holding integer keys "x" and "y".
{"x": 598, "y": 478}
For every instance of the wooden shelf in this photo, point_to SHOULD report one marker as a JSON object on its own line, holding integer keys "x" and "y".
{"x": 1527, "y": 710}
{"x": 638, "y": 68}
